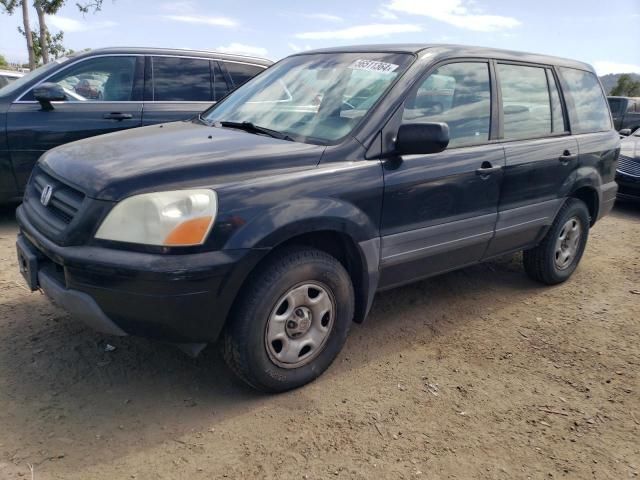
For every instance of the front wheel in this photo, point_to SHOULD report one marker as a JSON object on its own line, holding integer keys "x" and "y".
{"x": 557, "y": 256}
{"x": 291, "y": 320}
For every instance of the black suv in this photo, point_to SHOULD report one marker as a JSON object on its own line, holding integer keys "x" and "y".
{"x": 104, "y": 91}
{"x": 274, "y": 217}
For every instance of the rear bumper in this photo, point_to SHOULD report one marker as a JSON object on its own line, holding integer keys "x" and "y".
{"x": 176, "y": 298}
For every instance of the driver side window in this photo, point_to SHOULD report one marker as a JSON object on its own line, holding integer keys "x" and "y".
{"x": 458, "y": 94}
{"x": 108, "y": 79}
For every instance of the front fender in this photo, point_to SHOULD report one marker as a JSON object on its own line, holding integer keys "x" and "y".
{"x": 284, "y": 221}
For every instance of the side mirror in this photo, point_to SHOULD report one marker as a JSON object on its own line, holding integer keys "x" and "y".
{"x": 47, "y": 92}
{"x": 422, "y": 138}
{"x": 625, "y": 132}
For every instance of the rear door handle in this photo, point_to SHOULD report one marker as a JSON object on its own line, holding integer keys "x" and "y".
{"x": 487, "y": 169}
{"x": 117, "y": 116}
{"x": 566, "y": 157}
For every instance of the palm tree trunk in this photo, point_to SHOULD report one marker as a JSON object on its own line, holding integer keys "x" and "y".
{"x": 44, "y": 47}
{"x": 27, "y": 33}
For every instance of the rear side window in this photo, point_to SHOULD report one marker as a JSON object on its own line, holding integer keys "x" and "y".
{"x": 458, "y": 94}
{"x": 241, "y": 72}
{"x": 181, "y": 79}
{"x": 525, "y": 101}
{"x": 586, "y": 103}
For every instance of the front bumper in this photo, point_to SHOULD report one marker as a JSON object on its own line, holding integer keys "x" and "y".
{"x": 176, "y": 298}
{"x": 628, "y": 186}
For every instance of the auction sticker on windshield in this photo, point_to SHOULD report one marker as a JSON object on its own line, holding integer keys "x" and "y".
{"x": 373, "y": 66}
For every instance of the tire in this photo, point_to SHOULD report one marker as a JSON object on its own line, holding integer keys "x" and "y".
{"x": 297, "y": 284}
{"x": 553, "y": 260}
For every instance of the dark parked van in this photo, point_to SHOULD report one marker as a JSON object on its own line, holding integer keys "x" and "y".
{"x": 104, "y": 91}
{"x": 273, "y": 218}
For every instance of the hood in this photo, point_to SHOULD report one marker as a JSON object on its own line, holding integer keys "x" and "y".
{"x": 173, "y": 156}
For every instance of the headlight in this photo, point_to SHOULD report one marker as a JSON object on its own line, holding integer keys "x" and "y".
{"x": 177, "y": 218}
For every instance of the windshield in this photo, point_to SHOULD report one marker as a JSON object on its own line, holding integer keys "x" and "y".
{"x": 18, "y": 83}
{"x": 315, "y": 98}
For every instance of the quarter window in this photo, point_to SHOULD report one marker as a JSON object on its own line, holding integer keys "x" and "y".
{"x": 181, "y": 79}
{"x": 241, "y": 72}
{"x": 587, "y": 106}
{"x": 458, "y": 94}
{"x": 525, "y": 101}
{"x": 106, "y": 79}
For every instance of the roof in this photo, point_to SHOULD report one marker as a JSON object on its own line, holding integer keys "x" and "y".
{"x": 457, "y": 51}
{"x": 11, "y": 73}
{"x": 178, "y": 51}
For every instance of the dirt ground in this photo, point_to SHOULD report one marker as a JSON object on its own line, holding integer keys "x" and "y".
{"x": 480, "y": 373}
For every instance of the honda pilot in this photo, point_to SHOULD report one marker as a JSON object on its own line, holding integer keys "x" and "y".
{"x": 271, "y": 220}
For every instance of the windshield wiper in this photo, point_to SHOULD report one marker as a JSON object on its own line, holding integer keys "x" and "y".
{"x": 252, "y": 128}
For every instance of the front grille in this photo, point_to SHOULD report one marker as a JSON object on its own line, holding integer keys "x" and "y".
{"x": 65, "y": 200}
{"x": 628, "y": 166}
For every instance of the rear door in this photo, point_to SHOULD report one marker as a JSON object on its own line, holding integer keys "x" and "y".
{"x": 590, "y": 122}
{"x": 440, "y": 209}
{"x": 542, "y": 156}
{"x": 178, "y": 88}
{"x": 104, "y": 94}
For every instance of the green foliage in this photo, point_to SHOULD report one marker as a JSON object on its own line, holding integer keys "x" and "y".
{"x": 3, "y": 62}
{"x": 54, "y": 45}
{"x": 626, "y": 87}
{"x": 10, "y": 5}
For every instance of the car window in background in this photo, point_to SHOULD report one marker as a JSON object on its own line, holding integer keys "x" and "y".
{"x": 220, "y": 86}
{"x": 458, "y": 94}
{"x": 315, "y": 98}
{"x": 4, "y": 81}
{"x": 585, "y": 101}
{"x": 616, "y": 105}
{"x": 42, "y": 69}
{"x": 241, "y": 72}
{"x": 181, "y": 79}
{"x": 100, "y": 79}
{"x": 632, "y": 106}
{"x": 525, "y": 101}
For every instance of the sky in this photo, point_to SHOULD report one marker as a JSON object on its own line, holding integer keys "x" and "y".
{"x": 604, "y": 34}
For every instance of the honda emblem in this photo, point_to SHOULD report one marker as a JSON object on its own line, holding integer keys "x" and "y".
{"x": 45, "y": 197}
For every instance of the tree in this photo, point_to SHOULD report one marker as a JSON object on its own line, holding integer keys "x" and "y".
{"x": 54, "y": 46}
{"x": 626, "y": 87}
{"x": 3, "y": 62}
{"x": 44, "y": 8}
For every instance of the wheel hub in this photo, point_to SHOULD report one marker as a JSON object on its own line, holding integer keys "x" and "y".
{"x": 299, "y": 322}
{"x": 568, "y": 243}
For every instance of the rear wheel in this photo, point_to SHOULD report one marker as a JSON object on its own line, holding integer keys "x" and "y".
{"x": 557, "y": 256}
{"x": 291, "y": 320}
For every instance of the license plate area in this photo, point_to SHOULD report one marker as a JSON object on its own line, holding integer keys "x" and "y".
{"x": 27, "y": 263}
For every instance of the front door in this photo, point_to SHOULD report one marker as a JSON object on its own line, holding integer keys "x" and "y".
{"x": 440, "y": 210}
{"x": 104, "y": 94}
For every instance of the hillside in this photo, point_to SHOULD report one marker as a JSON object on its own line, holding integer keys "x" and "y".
{"x": 609, "y": 81}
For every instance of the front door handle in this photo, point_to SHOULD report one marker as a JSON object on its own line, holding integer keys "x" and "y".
{"x": 566, "y": 157}
{"x": 117, "y": 116}
{"x": 487, "y": 169}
